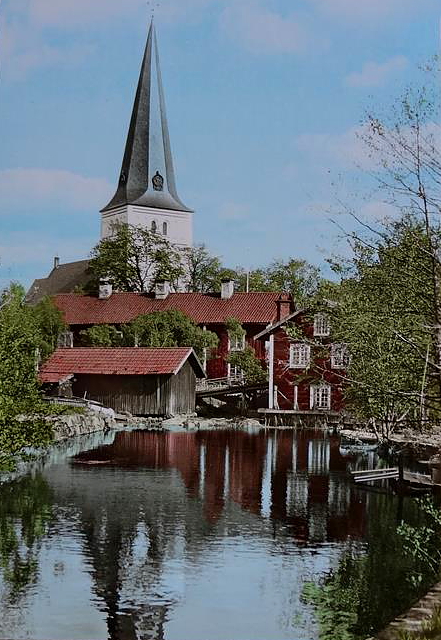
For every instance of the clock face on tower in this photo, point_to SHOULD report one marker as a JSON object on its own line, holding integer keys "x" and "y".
{"x": 158, "y": 182}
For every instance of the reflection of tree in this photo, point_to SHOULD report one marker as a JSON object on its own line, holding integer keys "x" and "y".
{"x": 369, "y": 586}
{"x": 25, "y": 512}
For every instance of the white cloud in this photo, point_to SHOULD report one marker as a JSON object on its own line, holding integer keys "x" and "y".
{"x": 263, "y": 31}
{"x": 374, "y": 74}
{"x": 331, "y": 151}
{"x": 51, "y": 186}
{"x": 371, "y": 10}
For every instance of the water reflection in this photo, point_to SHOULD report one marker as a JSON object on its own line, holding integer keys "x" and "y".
{"x": 207, "y": 534}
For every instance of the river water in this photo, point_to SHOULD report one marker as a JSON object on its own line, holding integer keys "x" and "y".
{"x": 207, "y": 535}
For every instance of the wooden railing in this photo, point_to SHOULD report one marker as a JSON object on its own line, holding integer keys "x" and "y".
{"x": 214, "y": 384}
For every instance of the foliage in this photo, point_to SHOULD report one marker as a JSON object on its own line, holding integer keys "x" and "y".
{"x": 203, "y": 272}
{"x": 421, "y": 542}
{"x": 170, "y": 328}
{"x": 134, "y": 258}
{"x": 250, "y": 365}
{"x": 50, "y": 323}
{"x": 383, "y": 329}
{"x": 20, "y": 340}
{"x": 390, "y": 298}
{"x": 369, "y": 586}
{"x": 297, "y": 277}
{"x": 103, "y": 335}
{"x": 234, "y": 328}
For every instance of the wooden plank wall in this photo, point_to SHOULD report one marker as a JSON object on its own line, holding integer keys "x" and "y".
{"x": 141, "y": 395}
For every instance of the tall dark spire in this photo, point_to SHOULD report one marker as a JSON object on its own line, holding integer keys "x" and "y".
{"x": 147, "y": 176}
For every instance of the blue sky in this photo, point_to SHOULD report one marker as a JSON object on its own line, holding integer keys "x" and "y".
{"x": 264, "y": 99}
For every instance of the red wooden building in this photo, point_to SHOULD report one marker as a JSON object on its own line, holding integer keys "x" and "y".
{"x": 306, "y": 368}
{"x": 142, "y": 381}
{"x": 254, "y": 310}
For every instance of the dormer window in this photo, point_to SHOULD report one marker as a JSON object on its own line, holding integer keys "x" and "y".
{"x": 321, "y": 325}
{"x": 164, "y": 228}
{"x": 153, "y": 226}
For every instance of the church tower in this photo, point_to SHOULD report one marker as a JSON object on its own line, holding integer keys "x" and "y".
{"x": 146, "y": 194}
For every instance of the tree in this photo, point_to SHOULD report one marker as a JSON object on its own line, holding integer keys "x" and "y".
{"x": 20, "y": 340}
{"x": 134, "y": 258}
{"x": 251, "y": 367}
{"x": 297, "y": 277}
{"x": 103, "y": 335}
{"x": 170, "y": 328}
{"x": 50, "y": 324}
{"x": 390, "y": 306}
{"x": 204, "y": 272}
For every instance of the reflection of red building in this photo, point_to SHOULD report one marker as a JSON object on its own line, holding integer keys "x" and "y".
{"x": 309, "y": 490}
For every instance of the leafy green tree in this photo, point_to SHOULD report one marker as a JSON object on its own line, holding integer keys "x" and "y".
{"x": 134, "y": 258}
{"x": 297, "y": 277}
{"x": 389, "y": 308}
{"x": 50, "y": 323}
{"x": 381, "y": 316}
{"x": 170, "y": 328}
{"x": 103, "y": 335}
{"x": 20, "y": 340}
{"x": 249, "y": 364}
{"x": 204, "y": 272}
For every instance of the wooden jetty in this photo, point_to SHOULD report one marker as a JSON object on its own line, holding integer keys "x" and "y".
{"x": 403, "y": 481}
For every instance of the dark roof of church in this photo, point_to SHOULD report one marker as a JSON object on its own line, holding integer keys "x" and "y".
{"x": 62, "y": 279}
{"x": 147, "y": 176}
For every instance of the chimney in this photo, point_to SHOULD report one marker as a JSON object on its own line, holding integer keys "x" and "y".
{"x": 56, "y": 262}
{"x": 283, "y": 306}
{"x": 162, "y": 289}
{"x": 227, "y": 289}
{"x": 105, "y": 289}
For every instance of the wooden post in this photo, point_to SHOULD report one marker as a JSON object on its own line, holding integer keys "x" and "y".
{"x": 271, "y": 373}
{"x": 400, "y": 468}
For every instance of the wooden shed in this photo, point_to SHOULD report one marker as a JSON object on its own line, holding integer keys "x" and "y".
{"x": 142, "y": 381}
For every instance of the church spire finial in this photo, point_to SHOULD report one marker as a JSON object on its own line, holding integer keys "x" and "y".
{"x": 147, "y": 174}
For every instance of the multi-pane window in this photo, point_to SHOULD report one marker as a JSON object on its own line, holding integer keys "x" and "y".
{"x": 339, "y": 356}
{"x": 235, "y": 373}
{"x": 237, "y": 343}
{"x": 299, "y": 355}
{"x": 65, "y": 339}
{"x": 320, "y": 396}
{"x": 321, "y": 324}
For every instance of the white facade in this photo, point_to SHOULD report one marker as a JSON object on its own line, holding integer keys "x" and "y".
{"x": 179, "y": 224}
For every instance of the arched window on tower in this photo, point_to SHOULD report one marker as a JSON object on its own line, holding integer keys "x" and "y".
{"x": 164, "y": 228}
{"x": 153, "y": 226}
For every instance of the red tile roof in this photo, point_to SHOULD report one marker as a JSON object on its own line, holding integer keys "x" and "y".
{"x": 120, "y": 361}
{"x": 251, "y": 308}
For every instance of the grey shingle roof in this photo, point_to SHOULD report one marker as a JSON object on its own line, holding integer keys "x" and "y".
{"x": 62, "y": 279}
{"x": 147, "y": 175}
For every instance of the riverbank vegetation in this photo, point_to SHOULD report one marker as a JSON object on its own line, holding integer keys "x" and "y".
{"x": 27, "y": 334}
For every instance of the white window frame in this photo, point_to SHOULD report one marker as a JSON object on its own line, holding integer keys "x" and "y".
{"x": 235, "y": 373}
{"x": 339, "y": 356}
{"x": 236, "y": 343}
{"x": 65, "y": 340}
{"x": 322, "y": 326}
{"x": 320, "y": 396}
{"x": 303, "y": 353}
